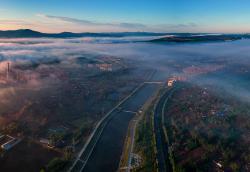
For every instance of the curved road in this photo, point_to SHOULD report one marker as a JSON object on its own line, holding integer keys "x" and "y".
{"x": 164, "y": 164}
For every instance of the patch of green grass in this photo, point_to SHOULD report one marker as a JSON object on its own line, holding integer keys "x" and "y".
{"x": 145, "y": 144}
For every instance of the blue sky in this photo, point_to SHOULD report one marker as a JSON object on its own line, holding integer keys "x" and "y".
{"x": 126, "y": 15}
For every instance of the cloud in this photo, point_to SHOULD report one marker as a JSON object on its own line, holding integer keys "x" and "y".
{"x": 93, "y": 23}
{"x": 177, "y": 26}
{"x": 53, "y": 23}
{"x": 11, "y": 53}
{"x": 132, "y": 25}
{"x": 184, "y": 25}
{"x": 67, "y": 19}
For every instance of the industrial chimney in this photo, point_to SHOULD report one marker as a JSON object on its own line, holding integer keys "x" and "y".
{"x": 8, "y": 70}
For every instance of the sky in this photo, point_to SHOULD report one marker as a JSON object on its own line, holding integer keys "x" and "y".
{"x": 214, "y": 16}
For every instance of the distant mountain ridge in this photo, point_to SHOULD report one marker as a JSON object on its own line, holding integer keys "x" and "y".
{"x": 27, "y": 33}
{"x": 164, "y": 37}
{"x": 200, "y": 38}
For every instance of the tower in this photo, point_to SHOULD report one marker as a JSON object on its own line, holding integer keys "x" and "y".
{"x": 8, "y": 70}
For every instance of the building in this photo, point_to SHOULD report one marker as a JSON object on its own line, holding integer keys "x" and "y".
{"x": 10, "y": 143}
{"x": 105, "y": 67}
{"x": 173, "y": 79}
{"x": 171, "y": 82}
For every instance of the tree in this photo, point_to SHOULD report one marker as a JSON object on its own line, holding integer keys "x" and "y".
{"x": 56, "y": 164}
{"x": 67, "y": 153}
{"x": 234, "y": 166}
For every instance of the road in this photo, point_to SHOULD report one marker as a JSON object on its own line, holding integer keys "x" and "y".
{"x": 131, "y": 146}
{"x": 164, "y": 164}
{"x": 103, "y": 149}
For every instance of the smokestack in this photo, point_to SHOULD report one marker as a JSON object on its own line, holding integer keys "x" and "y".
{"x": 8, "y": 69}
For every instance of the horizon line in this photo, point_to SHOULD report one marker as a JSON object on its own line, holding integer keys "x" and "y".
{"x": 3, "y": 30}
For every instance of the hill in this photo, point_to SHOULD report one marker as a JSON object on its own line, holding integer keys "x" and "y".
{"x": 200, "y": 38}
{"x": 27, "y": 33}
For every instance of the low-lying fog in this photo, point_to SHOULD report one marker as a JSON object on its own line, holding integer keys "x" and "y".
{"x": 168, "y": 59}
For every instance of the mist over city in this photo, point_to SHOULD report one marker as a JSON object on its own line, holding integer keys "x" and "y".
{"x": 107, "y": 86}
